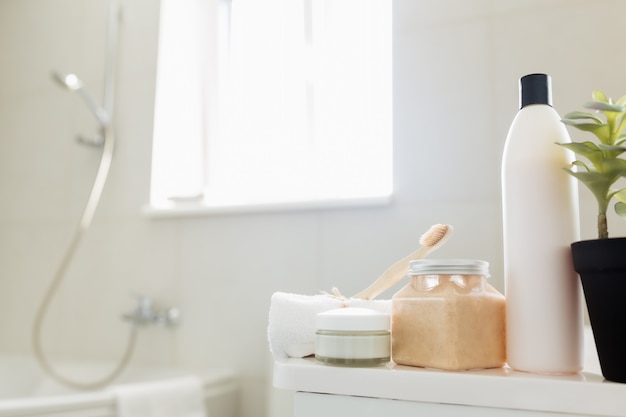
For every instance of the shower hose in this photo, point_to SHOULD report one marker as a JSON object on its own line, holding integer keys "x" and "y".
{"x": 85, "y": 222}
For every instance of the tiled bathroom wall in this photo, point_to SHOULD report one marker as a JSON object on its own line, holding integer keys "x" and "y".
{"x": 456, "y": 67}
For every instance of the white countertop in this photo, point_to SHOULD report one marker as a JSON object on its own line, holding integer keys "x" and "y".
{"x": 584, "y": 393}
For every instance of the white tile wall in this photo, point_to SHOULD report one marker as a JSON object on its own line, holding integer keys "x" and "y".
{"x": 456, "y": 66}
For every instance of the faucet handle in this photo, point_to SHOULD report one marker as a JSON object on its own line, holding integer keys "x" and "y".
{"x": 144, "y": 304}
{"x": 145, "y": 313}
{"x": 167, "y": 318}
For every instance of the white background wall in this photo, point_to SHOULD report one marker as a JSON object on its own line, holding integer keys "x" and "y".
{"x": 456, "y": 67}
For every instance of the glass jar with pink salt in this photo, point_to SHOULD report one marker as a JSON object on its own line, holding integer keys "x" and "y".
{"x": 448, "y": 317}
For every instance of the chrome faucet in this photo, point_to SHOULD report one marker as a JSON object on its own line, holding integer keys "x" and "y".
{"x": 146, "y": 313}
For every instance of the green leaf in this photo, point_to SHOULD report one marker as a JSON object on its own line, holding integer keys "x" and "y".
{"x": 612, "y": 170}
{"x": 593, "y": 180}
{"x": 580, "y": 164}
{"x": 621, "y": 195}
{"x": 620, "y": 209}
{"x": 621, "y": 101}
{"x": 602, "y": 132}
{"x": 581, "y": 148}
{"x": 587, "y": 149}
{"x": 581, "y": 125}
{"x": 611, "y": 151}
{"x": 605, "y": 107}
{"x": 598, "y": 95}
{"x": 622, "y": 124}
{"x": 597, "y": 183}
{"x": 612, "y": 148}
{"x": 578, "y": 115}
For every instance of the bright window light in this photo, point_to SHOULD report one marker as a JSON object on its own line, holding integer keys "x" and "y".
{"x": 284, "y": 102}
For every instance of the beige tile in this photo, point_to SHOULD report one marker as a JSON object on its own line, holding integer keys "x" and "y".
{"x": 442, "y": 113}
{"x": 410, "y": 16}
{"x": 40, "y": 36}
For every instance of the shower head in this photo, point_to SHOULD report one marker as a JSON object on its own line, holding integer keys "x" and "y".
{"x": 73, "y": 83}
{"x": 70, "y": 81}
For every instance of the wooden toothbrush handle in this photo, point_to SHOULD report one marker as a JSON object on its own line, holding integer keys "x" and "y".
{"x": 393, "y": 274}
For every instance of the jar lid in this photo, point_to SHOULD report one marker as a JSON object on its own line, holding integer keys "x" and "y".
{"x": 352, "y": 319}
{"x": 449, "y": 267}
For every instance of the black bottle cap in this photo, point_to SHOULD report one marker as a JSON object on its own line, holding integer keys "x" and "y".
{"x": 535, "y": 89}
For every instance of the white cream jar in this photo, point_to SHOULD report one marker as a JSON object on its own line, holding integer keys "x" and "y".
{"x": 353, "y": 337}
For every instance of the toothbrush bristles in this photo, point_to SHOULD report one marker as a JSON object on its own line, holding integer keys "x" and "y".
{"x": 434, "y": 234}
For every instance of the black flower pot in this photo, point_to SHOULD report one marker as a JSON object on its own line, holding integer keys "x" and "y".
{"x": 601, "y": 265}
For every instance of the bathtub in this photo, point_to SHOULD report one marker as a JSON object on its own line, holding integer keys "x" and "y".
{"x": 26, "y": 391}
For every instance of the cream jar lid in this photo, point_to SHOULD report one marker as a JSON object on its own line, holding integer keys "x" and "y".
{"x": 449, "y": 267}
{"x": 353, "y": 319}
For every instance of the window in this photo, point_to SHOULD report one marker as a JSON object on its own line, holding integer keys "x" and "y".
{"x": 272, "y": 103}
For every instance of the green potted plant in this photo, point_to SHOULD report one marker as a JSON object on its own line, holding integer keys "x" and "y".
{"x": 601, "y": 263}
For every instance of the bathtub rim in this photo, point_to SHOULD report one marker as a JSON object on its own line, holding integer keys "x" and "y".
{"x": 216, "y": 382}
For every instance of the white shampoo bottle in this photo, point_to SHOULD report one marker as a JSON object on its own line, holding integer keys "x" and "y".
{"x": 544, "y": 316}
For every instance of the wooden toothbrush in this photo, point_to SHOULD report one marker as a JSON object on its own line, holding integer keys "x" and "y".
{"x": 434, "y": 238}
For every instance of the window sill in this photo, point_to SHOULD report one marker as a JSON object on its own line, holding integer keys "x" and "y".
{"x": 200, "y": 209}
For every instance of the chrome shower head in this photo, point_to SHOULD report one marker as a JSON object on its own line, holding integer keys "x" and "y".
{"x": 73, "y": 83}
{"x": 70, "y": 81}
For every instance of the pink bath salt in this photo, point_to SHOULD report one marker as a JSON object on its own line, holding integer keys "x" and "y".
{"x": 448, "y": 321}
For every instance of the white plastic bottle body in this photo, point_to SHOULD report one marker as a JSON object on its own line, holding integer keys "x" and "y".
{"x": 544, "y": 316}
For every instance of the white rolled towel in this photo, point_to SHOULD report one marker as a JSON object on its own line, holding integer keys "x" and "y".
{"x": 291, "y": 329}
